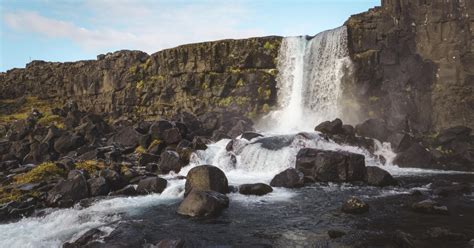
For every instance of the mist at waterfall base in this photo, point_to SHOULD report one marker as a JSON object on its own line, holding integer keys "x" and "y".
{"x": 309, "y": 82}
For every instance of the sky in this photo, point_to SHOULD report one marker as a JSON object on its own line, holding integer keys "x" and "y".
{"x": 70, "y": 30}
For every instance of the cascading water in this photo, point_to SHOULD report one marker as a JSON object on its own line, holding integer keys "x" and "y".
{"x": 309, "y": 81}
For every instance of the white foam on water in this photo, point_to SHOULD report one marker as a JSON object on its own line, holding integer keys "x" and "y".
{"x": 53, "y": 229}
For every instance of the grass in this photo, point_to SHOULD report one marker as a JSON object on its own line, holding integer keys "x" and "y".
{"x": 91, "y": 166}
{"x": 22, "y": 111}
{"x": 42, "y": 172}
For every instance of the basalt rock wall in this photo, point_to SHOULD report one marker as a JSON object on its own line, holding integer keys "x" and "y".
{"x": 230, "y": 75}
{"x": 413, "y": 64}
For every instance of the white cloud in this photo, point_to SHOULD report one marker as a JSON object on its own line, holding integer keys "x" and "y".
{"x": 146, "y": 25}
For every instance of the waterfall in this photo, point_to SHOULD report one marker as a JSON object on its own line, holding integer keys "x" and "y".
{"x": 309, "y": 81}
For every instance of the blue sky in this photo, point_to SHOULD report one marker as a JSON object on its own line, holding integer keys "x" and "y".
{"x": 69, "y": 30}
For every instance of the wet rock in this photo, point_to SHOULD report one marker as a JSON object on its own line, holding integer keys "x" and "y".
{"x": 445, "y": 234}
{"x": 68, "y": 142}
{"x": 169, "y": 162}
{"x": 206, "y": 177}
{"x": 151, "y": 185}
{"x": 113, "y": 178}
{"x": 373, "y": 128}
{"x": 275, "y": 142}
{"x": 67, "y": 192}
{"x": 400, "y": 141}
{"x": 330, "y": 127}
{"x": 334, "y": 234}
{"x": 429, "y": 207}
{"x": 450, "y": 188}
{"x": 184, "y": 150}
{"x": 86, "y": 239}
{"x": 255, "y": 189}
{"x": 250, "y": 135}
{"x": 98, "y": 186}
{"x": 289, "y": 178}
{"x": 379, "y": 177}
{"x": 146, "y": 158}
{"x": 199, "y": 143}
{"x": 170, "y": 243}
{"x": 355, "y": 206}
{"x": 128, "y": 190}
{"x": 230, "y": 146}
{"x": 415, "y": 156}
{"x": 331, "y": 166}
{"x": 200, "y": 203}
{"x": 172, "y": 136}
{"x": 402, "y": 239}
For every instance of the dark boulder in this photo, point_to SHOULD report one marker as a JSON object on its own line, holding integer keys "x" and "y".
{"x": 429, "y": 207}
{"x": 158, "y": 129}
{"x": 250, "y": 135}
{"x": 113, "y": 178}
{"x": 156, "y": 147}
{"x": 206, "y": 177}
{"x": 200, "y": 203}
{"x": 453, "y": 133}
{"x": 67, "y": 192}
{"x": 146, "y": 158}
{"x": 184, "y": 150}
{"x": 355, "y": 206}
{"x": 199, "y": 143}
{"x": 448, "y": 188}
{"x": 330, "y": 166}
{"x": 169, "y": 161}
{"x": 151, "y": 185}
{"x": 400, "y": 141}
{"x": 128, "y": 190}
{"x": 334, "y": 233}
{"x": 289, "y": 178}
{"x": 172, "y": 136}
{"x": 379, "y": 177}
{"x": 68, "y": 142}
{"x": 330, "y": 127}
{"x": 87, "y": 239}
{"x": 255, "y": 189}
{"x": 415, "y": 156}
{"x": 373, "y": 128}
{"x": 170, "y": 243}
{"x": 275, "y": 143}
{"x": 126, "y": 136}
{"x": 98, "y": 186}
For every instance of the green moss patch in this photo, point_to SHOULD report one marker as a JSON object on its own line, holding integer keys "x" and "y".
{"x": 42, "y": 172}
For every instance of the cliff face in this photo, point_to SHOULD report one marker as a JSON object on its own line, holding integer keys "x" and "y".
{"x": 234, "y": 75}
{"x": 414, "y": 64}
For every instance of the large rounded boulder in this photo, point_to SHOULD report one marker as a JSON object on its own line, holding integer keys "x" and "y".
{"x": 205, "y": 178}
{"x": 379, "y": 177}
{"x": 151, "y": 185}
{"x": 199, "y": 203}
{"x": 289, "y": 178}
{"x": 331, "y": 166}
{"x": 255, "y": 189}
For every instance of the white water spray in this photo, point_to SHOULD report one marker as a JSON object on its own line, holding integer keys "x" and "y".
{"x": 309, "y": 81}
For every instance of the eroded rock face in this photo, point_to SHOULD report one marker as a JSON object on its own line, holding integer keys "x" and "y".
{"x": 330, "y": 166}
{"x": 231, "y": 75}
{"x": 413, "y": 64}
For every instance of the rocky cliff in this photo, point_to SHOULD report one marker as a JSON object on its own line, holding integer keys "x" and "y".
{"x": 236, "y": 75}
{"x": 414, "y": 64}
